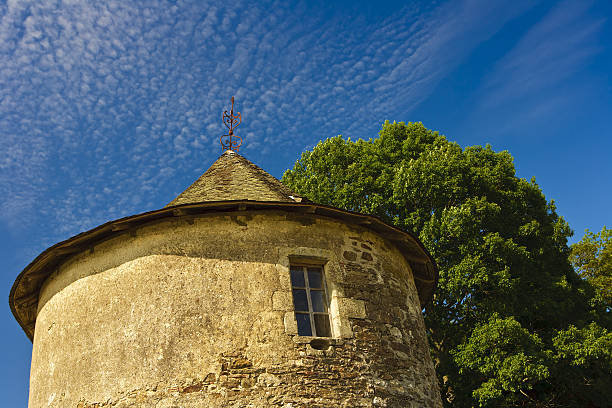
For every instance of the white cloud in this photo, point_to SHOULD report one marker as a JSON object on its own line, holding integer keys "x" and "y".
{"x": 109, "y": 108}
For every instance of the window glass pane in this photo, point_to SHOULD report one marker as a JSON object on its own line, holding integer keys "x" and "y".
{"x": 303, "y": 323}
{"x": 297, "y": 276}
{"x": 322, "y": 326}
{"x": 314, "y": 277}
{"x": 318, "y": 302}
{"x": 300, "y": 302}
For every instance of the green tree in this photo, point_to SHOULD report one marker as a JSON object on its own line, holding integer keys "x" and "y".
{"x": 592, "y": 258}
{"x": 502, "y": 253}
{"x": 583, "y": 365}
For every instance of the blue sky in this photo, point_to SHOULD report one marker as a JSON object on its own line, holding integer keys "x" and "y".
{"x": 112, "y": 108}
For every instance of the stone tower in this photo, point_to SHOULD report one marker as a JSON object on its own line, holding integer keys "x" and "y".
{"x": 239, "y": 293}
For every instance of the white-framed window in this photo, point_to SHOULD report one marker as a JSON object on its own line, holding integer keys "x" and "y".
{"x": 310, "y": 300}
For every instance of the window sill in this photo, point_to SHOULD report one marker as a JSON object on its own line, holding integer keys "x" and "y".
{"x": 317, "y": 340}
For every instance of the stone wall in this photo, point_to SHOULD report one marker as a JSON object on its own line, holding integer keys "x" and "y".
{"x": 198, "y": 312}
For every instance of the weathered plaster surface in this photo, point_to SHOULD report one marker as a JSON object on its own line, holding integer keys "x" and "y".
{"x": 198, "y": 312}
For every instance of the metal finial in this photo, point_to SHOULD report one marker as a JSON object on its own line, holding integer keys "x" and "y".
{"x": 231, "y": 141}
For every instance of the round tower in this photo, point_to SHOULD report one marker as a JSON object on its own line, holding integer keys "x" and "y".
{"x": 239, "y": 293}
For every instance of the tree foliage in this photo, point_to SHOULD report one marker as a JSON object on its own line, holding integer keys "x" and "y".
{"x": 592, "y": 257}
{"x": 510, "y": 315}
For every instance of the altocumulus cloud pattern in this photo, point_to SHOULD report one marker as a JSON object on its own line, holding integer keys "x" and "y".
{"x": 110, "y": 108}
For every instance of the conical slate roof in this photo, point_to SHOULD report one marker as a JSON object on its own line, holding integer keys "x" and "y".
{"x": 232, "y": 177}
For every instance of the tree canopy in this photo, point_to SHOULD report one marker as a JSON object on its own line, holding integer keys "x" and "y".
{"x": 511, "y": 322}
{"x": 592, "y": 258}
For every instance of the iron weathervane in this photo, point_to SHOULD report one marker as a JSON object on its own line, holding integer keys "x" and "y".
{"x": 232, "y": 121}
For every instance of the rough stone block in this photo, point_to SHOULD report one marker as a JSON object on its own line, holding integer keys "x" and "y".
{"x": 350, "y": 256}
{"x": 342, "y": 327}
{"x": 352, "y": 308}
{"x": 282, "y": 301}
{"x": 395, "y": 332}
{"x": 290, "y": 323}
{"x": 367, "y": 256}
{"x": 283, "y": 277}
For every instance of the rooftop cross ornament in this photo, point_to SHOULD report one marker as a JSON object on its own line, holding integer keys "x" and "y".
{"x": 231, "y": 141}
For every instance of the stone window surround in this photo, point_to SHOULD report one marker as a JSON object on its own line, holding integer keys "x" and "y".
{"x": 341, "y": 308}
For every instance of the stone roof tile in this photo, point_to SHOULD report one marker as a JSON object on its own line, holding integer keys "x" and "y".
{"x": 232, "y": 177}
